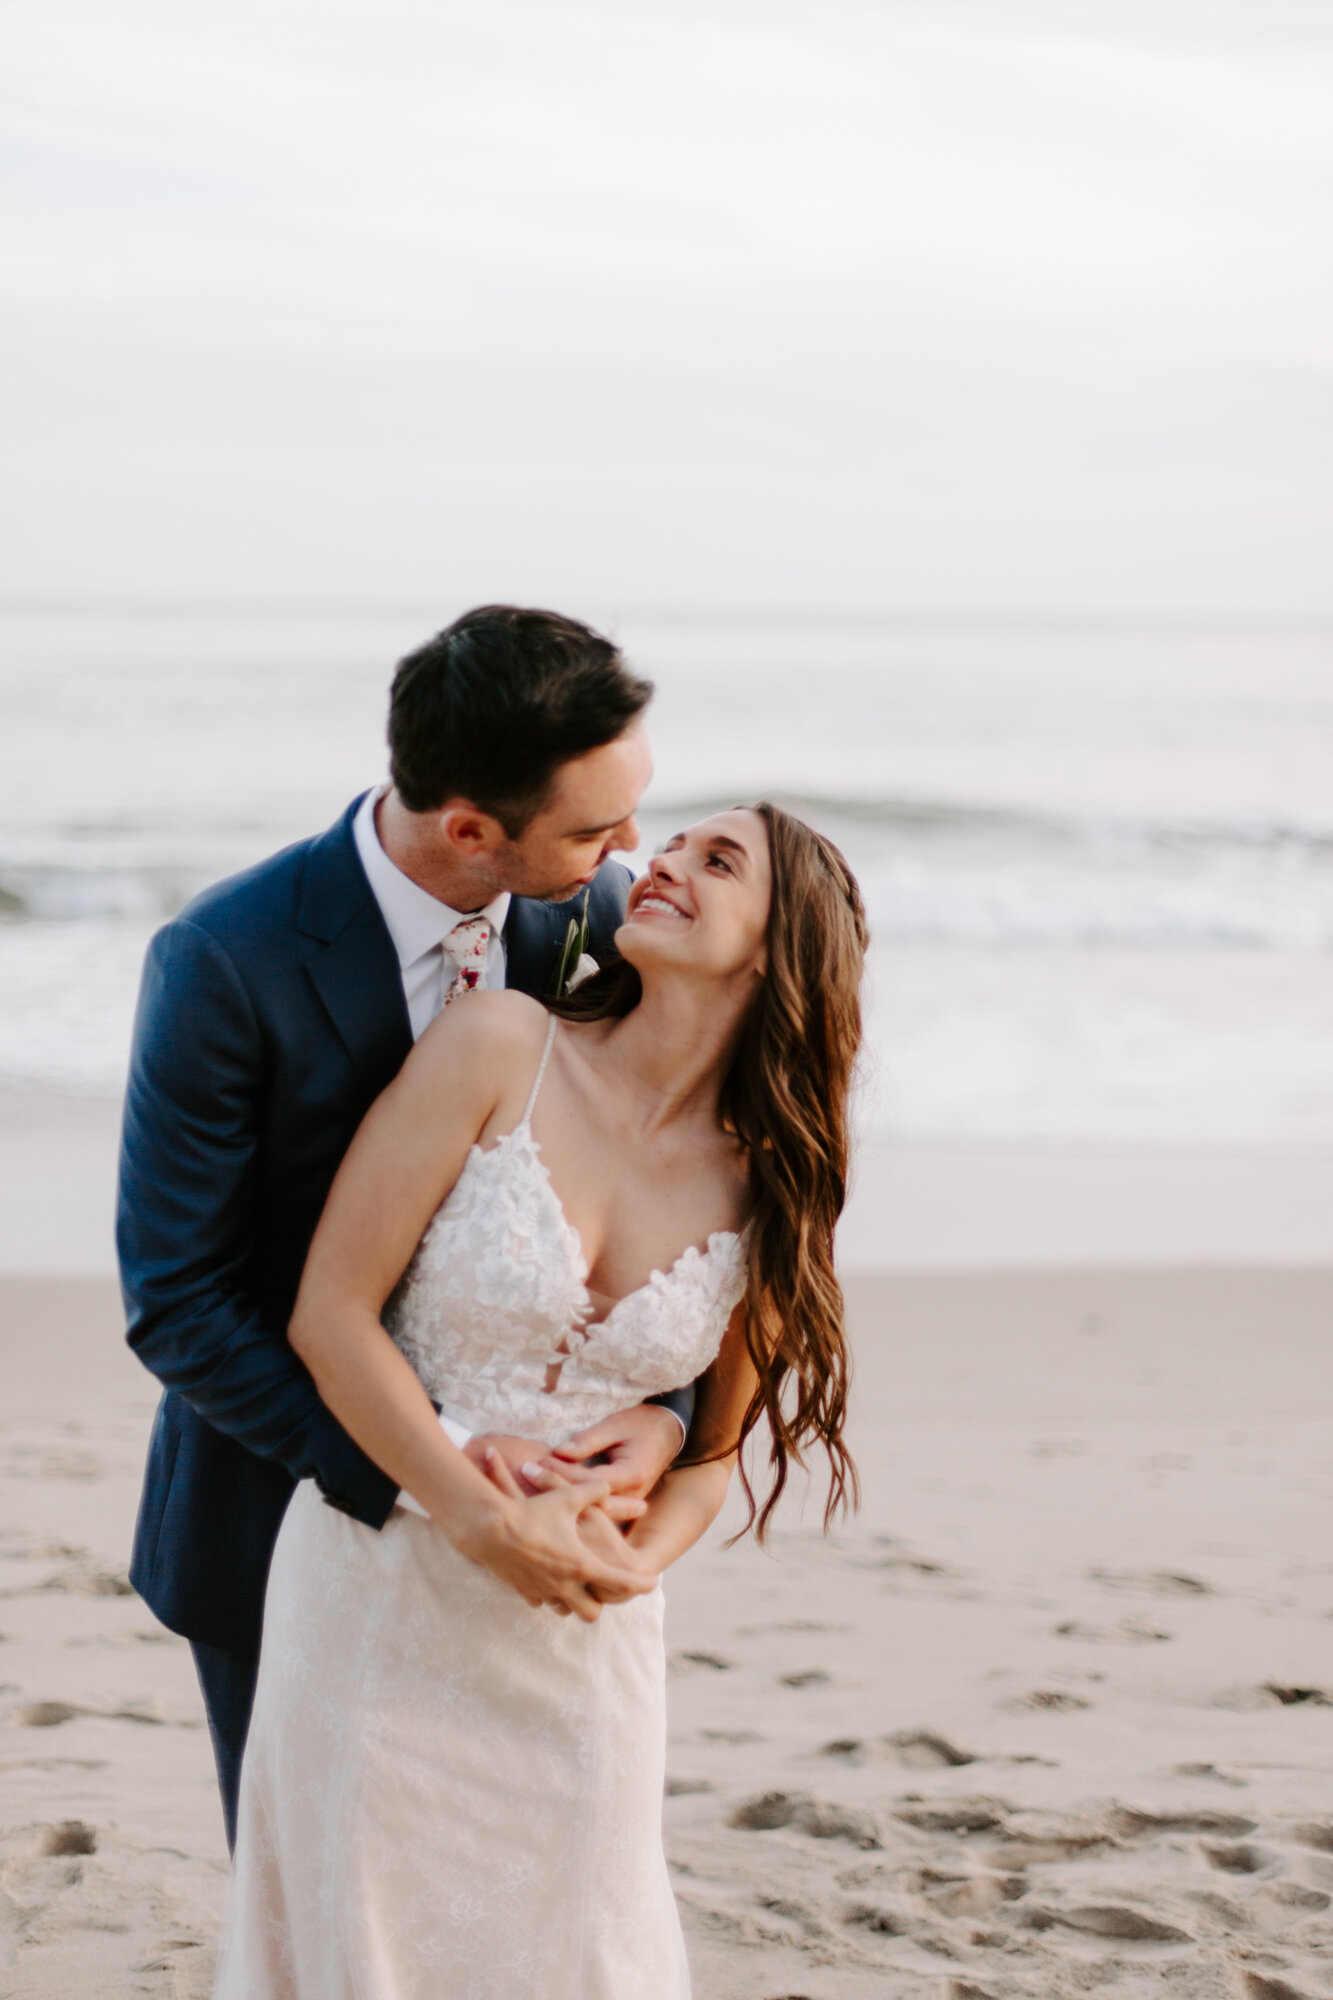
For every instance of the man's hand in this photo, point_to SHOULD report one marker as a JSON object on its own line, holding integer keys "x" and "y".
{"x": 534, "y": 1544}
{"x": 488, "y": 1447}
{"x": 521, "y": 1457}
{"x": 630, "y": 1452}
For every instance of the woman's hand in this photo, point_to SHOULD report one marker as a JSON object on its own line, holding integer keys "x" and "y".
{"x": 555, "y": 1547}
{"x": 600, "y": 1535}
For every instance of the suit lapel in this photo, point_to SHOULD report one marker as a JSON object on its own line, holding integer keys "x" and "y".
{"x": 534, "y": 932}
{"x": 532, "y": 936}
{"x": 353, "y": 967}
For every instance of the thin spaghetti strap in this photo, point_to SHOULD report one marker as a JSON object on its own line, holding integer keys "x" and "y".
{"x": 537, "y": 1080}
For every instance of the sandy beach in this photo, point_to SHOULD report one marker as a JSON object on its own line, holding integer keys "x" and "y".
{"x": 929, "y": 406}
{"x": 1052, "y": 1716}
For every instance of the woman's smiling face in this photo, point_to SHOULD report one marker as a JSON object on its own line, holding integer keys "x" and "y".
{"x": 704, "y": 902}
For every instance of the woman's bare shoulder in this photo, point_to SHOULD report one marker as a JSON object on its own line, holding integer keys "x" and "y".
{"x": 492, "y": 1031}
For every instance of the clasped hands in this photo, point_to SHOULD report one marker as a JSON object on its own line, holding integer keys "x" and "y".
{"x": 558, "y": 1540}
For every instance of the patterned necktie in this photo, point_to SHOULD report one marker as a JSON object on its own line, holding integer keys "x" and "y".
{"x": 467, "y": 945}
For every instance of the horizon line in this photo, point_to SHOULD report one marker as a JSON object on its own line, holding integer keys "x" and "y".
{"x": 1035, "y": 618}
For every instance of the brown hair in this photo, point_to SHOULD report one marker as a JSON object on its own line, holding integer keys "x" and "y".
{"x": 786, "y": 1098}
{"x": 490, "y": 708}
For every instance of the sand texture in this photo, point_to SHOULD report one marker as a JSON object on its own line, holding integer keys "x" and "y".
{"x": 1053, "y": 1717}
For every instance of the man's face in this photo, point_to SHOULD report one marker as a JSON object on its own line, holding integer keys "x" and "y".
{"x": 588, "y": 814}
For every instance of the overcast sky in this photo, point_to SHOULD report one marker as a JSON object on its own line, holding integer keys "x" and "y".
{"x": 623, "y": 305}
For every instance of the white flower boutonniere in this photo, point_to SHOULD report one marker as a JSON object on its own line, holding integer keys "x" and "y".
{"x": 586, "y": 968}
{"x": 575, "y": 963}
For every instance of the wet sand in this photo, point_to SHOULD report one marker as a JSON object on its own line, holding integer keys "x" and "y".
{"x": 1052, "y": 1716}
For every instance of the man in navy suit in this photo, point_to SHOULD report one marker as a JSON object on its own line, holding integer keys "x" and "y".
{"x": 273, "y": 1011}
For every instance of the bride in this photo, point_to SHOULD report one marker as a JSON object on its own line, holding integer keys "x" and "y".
{"x": 545, "y": 1217}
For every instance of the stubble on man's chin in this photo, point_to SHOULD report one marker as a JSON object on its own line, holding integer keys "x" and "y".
{"x": 513, "y": 874}
{"x": 557, "y": 896}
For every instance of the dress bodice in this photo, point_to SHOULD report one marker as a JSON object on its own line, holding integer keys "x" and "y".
{"x": 494, "y": 1312}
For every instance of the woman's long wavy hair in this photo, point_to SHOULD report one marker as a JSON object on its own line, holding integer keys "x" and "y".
{"x": 785, "y": 1097}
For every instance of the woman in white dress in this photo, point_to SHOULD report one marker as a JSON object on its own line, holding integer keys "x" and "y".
{"x": 448, "y": 1790}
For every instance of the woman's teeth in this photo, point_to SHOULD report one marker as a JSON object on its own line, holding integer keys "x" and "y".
{"x": 660, "y": 903}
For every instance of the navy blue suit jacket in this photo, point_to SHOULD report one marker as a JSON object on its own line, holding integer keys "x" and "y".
{"x": 270, "y": 1018}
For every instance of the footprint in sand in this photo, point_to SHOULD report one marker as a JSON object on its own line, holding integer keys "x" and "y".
{"x": 923, "y": 1749}
{"x": 1129, "y": 1632}
{"x": 1114, "y": 1920}
{"x": 788, "y": 1625}
{"x": 1033, "y": 1850}
{"x": 50, "y": 1714}
{"x": 47, "y": 1714}
{"x": 82, "y": 1578}
{"x": 962, "y": 1816}
{"x": 1295, "y": 1896}
{"x": 819, "y": 1818}
{"x": 1131, "y": 1824}
{"x": 1208, "y": 1771}
{"x": 915, "y": 1749}
{"x": 1258, "y": 1986}
{"x": 977, "y": 1896}
{"x": 1229, "y": 1915}
{"x": 1154, "y": 1582}
{"x": 824, "y": 1821}
{"x": 1271, "y": 1694}
{"x": 906, "y": 1565}
{"x": 70, "y": 1837}
{"x": 874, "y": 1917}
{"x": 1238, "y": 1860}
{"x": 768, "y": 1810}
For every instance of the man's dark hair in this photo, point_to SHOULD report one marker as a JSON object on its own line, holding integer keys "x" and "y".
{"x": 490, "y": 708}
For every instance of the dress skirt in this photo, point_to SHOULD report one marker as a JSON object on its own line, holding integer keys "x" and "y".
{"x": 446, "y": 1792}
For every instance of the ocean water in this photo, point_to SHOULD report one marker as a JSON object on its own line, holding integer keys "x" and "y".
{"x": 1098, "y": 859}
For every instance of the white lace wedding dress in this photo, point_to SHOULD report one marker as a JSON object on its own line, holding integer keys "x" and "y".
{"x": 445, "y": 1792}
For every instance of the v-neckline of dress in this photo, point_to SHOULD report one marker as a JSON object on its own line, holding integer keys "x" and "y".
{"x": 574, "y": 1242}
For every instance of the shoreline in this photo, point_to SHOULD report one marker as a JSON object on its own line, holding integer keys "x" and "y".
{"x": 982, "y": 1203}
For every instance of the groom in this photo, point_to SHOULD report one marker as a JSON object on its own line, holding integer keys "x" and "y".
{"x": 273, "y": 1011}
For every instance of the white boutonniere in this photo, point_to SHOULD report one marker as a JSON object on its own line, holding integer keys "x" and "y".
{"x": 575, "y": 963}
{"x": 586, "y": 968}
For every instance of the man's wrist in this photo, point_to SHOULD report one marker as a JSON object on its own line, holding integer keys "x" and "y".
{"x": 679, "y": 1422}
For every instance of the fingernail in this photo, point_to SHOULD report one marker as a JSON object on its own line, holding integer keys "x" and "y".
{"x": 532, "y": 1472}
{"x": 489, "y": 1451}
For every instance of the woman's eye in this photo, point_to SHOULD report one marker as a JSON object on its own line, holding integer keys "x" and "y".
{"x": 720, "y": 861}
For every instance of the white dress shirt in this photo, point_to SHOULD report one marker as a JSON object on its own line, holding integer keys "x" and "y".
{"x": 418, "y": 923}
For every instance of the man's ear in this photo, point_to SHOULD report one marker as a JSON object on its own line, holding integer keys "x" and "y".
{"x": 469, "y": 831}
